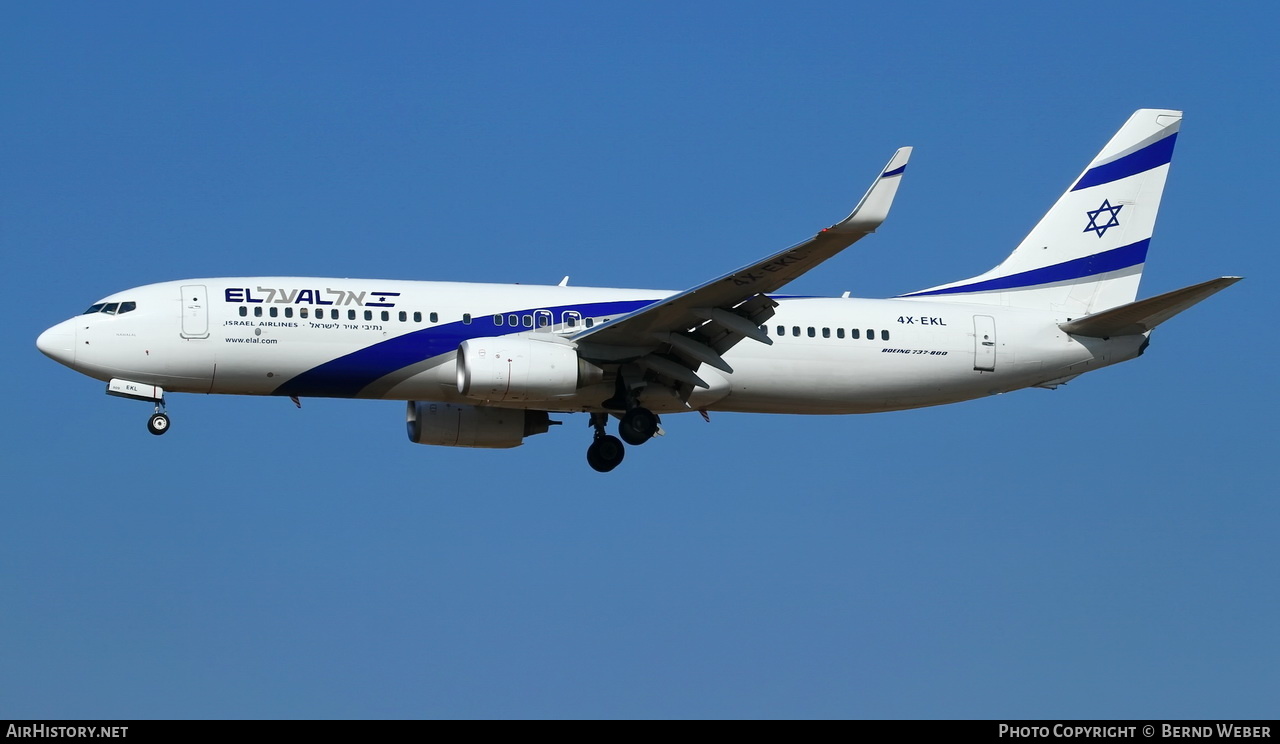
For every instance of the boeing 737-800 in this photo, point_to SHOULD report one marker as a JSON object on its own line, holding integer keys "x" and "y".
{"x": 485, "y": 365}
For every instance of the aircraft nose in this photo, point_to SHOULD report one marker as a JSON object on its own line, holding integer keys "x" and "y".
{"x": 59, "y": 343}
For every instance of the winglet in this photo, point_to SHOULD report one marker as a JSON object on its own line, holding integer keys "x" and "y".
{"x": 874, "y": 205}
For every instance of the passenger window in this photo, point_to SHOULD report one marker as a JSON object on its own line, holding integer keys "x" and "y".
{"x": 386, "y": 315}
{"x": 513, "y": 320}
{"x": 590, "y": 322}
{"x": 826, "y": 333}
{"x": 795, "y": 330}
{"x": 855, "y": 333}
{"x": 884, "y": 335}
{"x": 302, "y": 312}
{"x": 368, "y": 315}
{"x": 288, "y": 312}
{"x": 871, "y": 335}
{"x": 333, "y": 314}
{"x": 528, "y": 321}
{"x": 243, "y": 311}
{"x": 257, "y": 311}
{"x": 466, "y": 318}
{"x": 782, "y": 330}
{"x": 497, "y": 320}
{"x": 435, "y": 317}
{"x": 403, "y": 316}
{"x": 811, "y": 332}
{"x": 839, "y": 333}
{"x": 351, "y": 315}
{"x": 273, "y": 311}
{"x": 417, "y": 317}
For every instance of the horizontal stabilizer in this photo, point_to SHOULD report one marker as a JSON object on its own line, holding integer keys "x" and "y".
{"x": 1143, "y": 315}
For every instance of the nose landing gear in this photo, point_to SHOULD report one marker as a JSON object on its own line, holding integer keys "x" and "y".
{"x": 158, "y": 423}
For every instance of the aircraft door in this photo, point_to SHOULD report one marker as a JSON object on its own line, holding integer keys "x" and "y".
{"x": 195, "y": 311}
{"x": 570, "y": 321}
{"x": 542, "y": 320}
{"x": 984, "y": 343}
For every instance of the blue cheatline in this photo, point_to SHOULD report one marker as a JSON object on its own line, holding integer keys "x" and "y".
{"x": 347, "y": 375}
{"x": 1079, "y": 268}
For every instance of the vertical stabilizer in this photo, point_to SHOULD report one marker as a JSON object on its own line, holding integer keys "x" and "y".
{"x": 1087, "y": 252}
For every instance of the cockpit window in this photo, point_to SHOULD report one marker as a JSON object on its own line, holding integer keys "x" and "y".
{"x": 111, "y": 308}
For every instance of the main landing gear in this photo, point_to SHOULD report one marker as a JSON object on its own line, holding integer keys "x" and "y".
{"x": 605, "y": 453}
{"x": 636, "y": 427}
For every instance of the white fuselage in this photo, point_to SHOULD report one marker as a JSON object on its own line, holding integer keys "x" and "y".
{"x": 313, "y": 337}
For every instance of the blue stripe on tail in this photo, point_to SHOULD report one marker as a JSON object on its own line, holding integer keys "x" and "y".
{"x": 1080, "y": 268}
{"x": 1152, "y": 156}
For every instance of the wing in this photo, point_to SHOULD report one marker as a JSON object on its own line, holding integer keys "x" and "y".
{"x": 672, "y": 337}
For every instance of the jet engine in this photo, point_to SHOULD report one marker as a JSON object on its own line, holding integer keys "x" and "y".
{"x": 454, "y": 425}
{"x": 517, "y": 368}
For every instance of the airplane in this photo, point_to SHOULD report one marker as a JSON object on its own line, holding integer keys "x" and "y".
{"x": 485, "y": 365}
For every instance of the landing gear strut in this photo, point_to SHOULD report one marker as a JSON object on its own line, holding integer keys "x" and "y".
{"x": 605, "y": 452}
{"x": 636, "y": 424}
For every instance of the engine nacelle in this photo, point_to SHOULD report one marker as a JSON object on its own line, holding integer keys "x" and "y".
{"x": 519, "y": 368}
{"x": 454, "y": 425}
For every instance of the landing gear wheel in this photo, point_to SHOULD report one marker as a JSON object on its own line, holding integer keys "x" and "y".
{"x": 605, "y": 454}
{"x": 638, "y": 426}
{"x": 158, "y": 424}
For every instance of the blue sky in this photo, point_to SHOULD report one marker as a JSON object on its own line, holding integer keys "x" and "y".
{"x": 1103, "y": 550}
